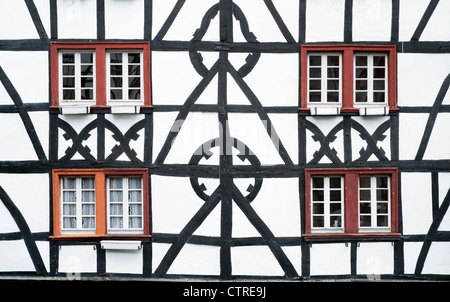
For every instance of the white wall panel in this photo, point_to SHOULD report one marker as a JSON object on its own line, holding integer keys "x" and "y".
{"x": 76, "y": 259}
{"x": 77, "y": 19}
{"x": 197, "y": 260}
{"x": 372, "y": 20}
{"x": 411, "y": 129}
{"x": 438, "y": 259}
{"x": 325, "y": 20}
{"x": 254, "y": 260}
{"x": 375, "y": 259}
{"x": 125, "y": 262}
{"x": 444, "y": 186}
{"x": 124, "y": 19}
{"x": 323, "y": 264}
{"x": 15, "y": 256}
{"x": 15, "y": 17}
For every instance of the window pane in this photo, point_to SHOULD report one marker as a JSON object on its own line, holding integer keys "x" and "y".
{"x": 335, "y": 195}
{"x": 378, "y": 73}
{"x": 336, "y": 221}
{"x": 68, "y": 94}
{"x": 86, "y": 57}
{"x": 333, "y": 73}
{"x": 333, "y": 97}
{"x": 364, "y": 182}
{"x": 333, "y": 84}
{"x": 116, "y": 196}
{"x": 315, "y": 73}
{"x": 315, "y": 60}
{"x": 87, "y": 69}
{"x": 69, "y": 197}
{"x": 88, "y": 209}
{"x": 383, "y": 195}
{"x": 115, "y": 57}
{"x": 116, "y": 209}
{"x": 361, "y": 60}
{"x": 134, "y": 82}
{"x": 317, "y": 182}
{"x": 116, "y": 222}
{"x": 333, "y": 60}
{"x": 135, "y": 223}
{"x": 134, "y": 94}
{"x": 364, "y": 208}
{"x": 382, "y": 208}
{"x": 69, "y": 222}
{"x": 134, "y": 70}
{"x": 318, "y": 195}
{"x": 364, "y": 221}
{"x": 68, "y": 58}
{"x": 361, "y": 97}
{"x": 318, "y": 222}
{"x": 134, "y": 58}
{"x": 335, "y": 182}
{"x": 378, "y": 84}
{"x": 335, "y": 208}
{"x": 69, "y": 183}
{"x": 69, "y": 209}
{"x": 134, "y": 196}
{"x": 115, "y": 82}
{"x": 364, "y": 195}
{"x": 88, "y": 196}
{"x": 315, "y": 84}
{"x": 361, "y": 73}
{"x": 88, "y": 222}
{"x": 318, "y": 208}
{"x": 87, "y": 94}
{"x": 134, "y": 182}
{"x": 382, "y": 182}
{"x": 315, "y": 97}
{"x": 379, "y": 61}
{"x": 68, "y": 70}
{"x": 87, "y": 82}
{"x": 116, "y": 94}
{"x": 361, "y": 84}
{"x": 115, "y": 69}
{"x": 382, "y": 221}
{"x": 378, "y": 97}
{"x": 68, "y": 82}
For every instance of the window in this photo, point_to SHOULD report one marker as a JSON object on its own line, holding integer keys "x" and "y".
{"x": 100, "y": 202}
{"x": 100, "y": 75}
{"x": 348, "y": 78}
{"x": 351, "y": 201}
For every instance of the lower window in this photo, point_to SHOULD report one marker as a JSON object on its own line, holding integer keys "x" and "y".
{"x": 351, "y": 201}
{"x": 100, "y": 202}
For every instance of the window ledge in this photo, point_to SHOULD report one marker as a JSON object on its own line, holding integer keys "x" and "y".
{"x": 325, "y": 110}
{"x": 127, "y": 245}
{"x": 81, "y": 109}
{"x": 351, "y": 236}
{"x": 125, "y": 109}
{"x": 375, "y": 110}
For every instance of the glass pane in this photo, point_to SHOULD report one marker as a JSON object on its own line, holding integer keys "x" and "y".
{"x": 69, "y": 209}
{"x": 88, "y": 196}
{"x": 315, "y": 60}
{"x": 379, "y": 61}
{"x": 333, "y": 84}
{"x": 86, "y": 57}
{"x": 315, "y": 73}
{"x": 134, "y": 183}
{"x": 361, "y": 73}
{"x": 88, "y": 209}
{"x": 116, "y": 222}
{"x": 69, "y": 222}
{"x": 134, "y": 196}
{"x": 318, "y": 208}
{"x": 69, "y": 183}
{"x": 318, "y": 195}
{"x": 87, "y": 82}
{"x": 135, "y": 209}
{"x": 333, "y": 97}
{"x": 361, "y": 84}
{"x": 318, "y": 222}
{"x": 68, "y": 69}
{"x": 382, "y": 208}
{"x": 116, "y": 196}
{"x": 135, "y": 223}
{"x": 382, "y": 182}
{"x": 378, "y": 73}
{"x": 134, "y": 82}
{"x": 336, "y": 221}
{"x": 315, "y": 97}
{"x": 69, "y": 197}
{"x": 116, "y": 94}
{"x": 115, "y": 70}
{"x": 68, "y": 82}
{"x": 115, "y": 57}
{"x": 364, "y": 221}
{"x": 378, "y": 85}
{"x": 88, "y": 222}
{"x": 134, "y": 58}
{"x": 134, "y": 94}
{"x": 115, "y": 82}
{"x": 87, "y": 94}
{"x": 383, "y": 195}
{"x": 333, "y": 60}
{"x": 335, "y": 195}
{"x": 335, "y": 182}
{"x": 333, "y": 73}
{"x": 68, "y": 94}
{"x": 364, "y": 208}
{"x": 68, "y": 58}
{"x": 317, "y": 182}
{"x": 364, "y": 182}
{"x": 116, "y": 209}
{"x": 378, "y": 97}
{"x": 87, "y": 69}
{"x": 315, "y": 84}
{"x": 361, "y": 60}
{"x": 364, "y": 195}
{"x": 134, "y": 70}
{"x": 335, "y": 208}
{"x": 382, "y": 221}
{"x": 361, "y": 97}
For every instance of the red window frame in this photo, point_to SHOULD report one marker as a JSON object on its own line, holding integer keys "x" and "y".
{"x": 347, "y": 52}
{"x": 350, "y": 203}
{"x": 100, "y": 176}
{"x": 100, "y": 49}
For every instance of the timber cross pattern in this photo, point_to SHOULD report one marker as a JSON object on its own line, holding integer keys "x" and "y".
{"x": 227, "y": 192}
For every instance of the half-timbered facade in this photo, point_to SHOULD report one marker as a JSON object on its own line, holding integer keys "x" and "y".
{"x": 225, "y": 139}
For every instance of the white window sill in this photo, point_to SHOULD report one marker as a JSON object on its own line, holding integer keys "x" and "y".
{"x": 82, "y": 109}
{"x": 127, "y": 245}
{"x": 125, "y": 109}
{"x": 384, "y": 110}
{"x": 325, "y": 110}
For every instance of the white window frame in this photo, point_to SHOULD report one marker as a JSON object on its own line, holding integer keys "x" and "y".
{"x": 77, "y": 76}
{"x": 370, "y": 80}
{"x": 373, "y": 205}
{"x": 79, "y": 206}
{"x": 324, "y": 78}
{"x": 125, "y": 206}
{"x": 327, "y": 228}
{"x": 125, "y": 101}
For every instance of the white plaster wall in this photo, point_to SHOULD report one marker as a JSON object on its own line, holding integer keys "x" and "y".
{"x": 416, "y": 202}
{"x": 323, "y": 264}
{"x": 411, "y": 12}
{"x": 75, "y": 259}
{"x": 425, "y": 73}
{"x": 124, "y": 19}
{"x": 197, "y": 260}
{"x": 372, "y": 20}
{"x": 28, "y": 72}
{"x": 438, "y": 259}
{"x": 19, "y": 146}
{"x": 15, "y": 256}
{"x": 125, "y": 262}
{"x": 77, "y": 19}
{"x": 439, "y": 138}
{"x": 254, "y": 260}
{"x": 374, "y": 259}
{"x": 411, "y": 129}
{"x": 325, "y": 20}
{"x": 15, "y": 17}
{"x": 444, "y": 186}
{"x": 411, "y": 251}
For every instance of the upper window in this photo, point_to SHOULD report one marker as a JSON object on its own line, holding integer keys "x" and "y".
{"x": 351, "y": 201}
{"x": 100, "y": 75}
{"x": 348, "y": 78}
{"x": 100, "y": 202}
